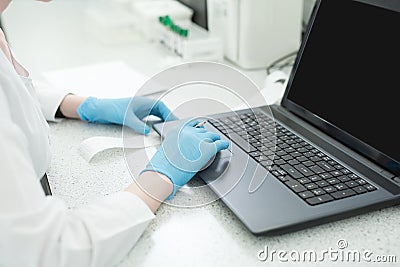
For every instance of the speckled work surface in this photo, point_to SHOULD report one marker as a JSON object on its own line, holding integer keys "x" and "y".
{"x": 210, "y": 235}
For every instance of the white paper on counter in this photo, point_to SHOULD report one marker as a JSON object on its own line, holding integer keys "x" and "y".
{"x": 107, "y": 80}
{"x": 91, "y": 146}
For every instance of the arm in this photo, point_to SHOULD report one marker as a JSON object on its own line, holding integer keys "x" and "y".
{"x": 70, "y": 104}
{"x": 152, "y": 188}
{"x": 36, "y": 230}
{"x": 99, "y": 110}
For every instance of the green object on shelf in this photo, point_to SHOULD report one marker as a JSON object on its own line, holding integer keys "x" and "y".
{"x": 168, "y": 22}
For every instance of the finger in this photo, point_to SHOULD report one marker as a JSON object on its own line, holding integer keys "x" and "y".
{"x": 221, "y": 145}
{"x": 191, "y": 123}
{"x": 212, "y": 136}
{"x": 200, "y": 130}
{"x": 163, "y": 112}
{"x": 137, "y": 125}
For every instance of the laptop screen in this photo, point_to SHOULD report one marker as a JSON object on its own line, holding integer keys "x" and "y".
{"x": 346, "y": 79}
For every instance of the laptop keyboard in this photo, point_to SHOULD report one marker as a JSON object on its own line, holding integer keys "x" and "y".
{"x": 308, "y": 172}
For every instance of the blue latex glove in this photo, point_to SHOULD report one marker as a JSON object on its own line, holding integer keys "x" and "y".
{"x": 113, "y": 111}
{"x": 184, "y": 152}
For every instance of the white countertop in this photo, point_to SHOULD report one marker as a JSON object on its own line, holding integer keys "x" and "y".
{"x": 210, "y": 235}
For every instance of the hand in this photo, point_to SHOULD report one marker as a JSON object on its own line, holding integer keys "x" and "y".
{"x": 184, "y": 152}
{"x": 113, "y": 111}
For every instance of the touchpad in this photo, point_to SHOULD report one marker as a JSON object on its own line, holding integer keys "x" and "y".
{"x": 217, "y": 166}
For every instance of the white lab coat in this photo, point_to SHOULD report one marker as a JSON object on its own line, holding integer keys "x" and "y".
{"x": 36, "y": 230}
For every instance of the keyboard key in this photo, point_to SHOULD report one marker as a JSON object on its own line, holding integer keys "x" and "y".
{"x": 261, "y": 158}
{"x": 256, "y": 144}
{"x": 306, "y": 194}
{"x": 304, "y": 170}
{"x": 311, "y": 186}
{"x": 242, "y": 134}
{"x": 319, "y": 199}
{"x": 254, "y": 133}
{"x": 314, "y": 178}
{"x": 267, "y": 164}
{"x": 287, "y": 157}
{"x": 325, "y": 175}
{"x": 281, "y": 154}
{"x": 370, "y": 187}
{"x": 304, "y": 180}
{"x": 333, "y": 181}
{"x": 265, "y": 147}
{"x": 276, "y": 173}
{"x": 295, "y": 186}
{"x": 296, "y": 146}
{"x": 301, "y": 158}
{"x": 289, "y": 150}
{"x": 332, "y": 162}
{"x": 340, "y": 186}
{"x": 353, "y": 176}
{"x": 330, "y": 189}
{"x": 336, "y": 173}
{"x": 280, "y": 162}
{"x": 360, "y": 190}
{"x": 292, "y": 171}
{"x": 283, "y": 146}
{"x": 308, "y": 163}
{"x": 317, "y": 169}
{"x": 324, "y": 165}
{"x": 343, "y": 194}
{"x": 281, "y": 172}
{"x": 338, "y": 167}
{"x": 302, "y": 150}
{"x": 351, "y": 184}
{"x": 234, "y": 118}
{"x": 344, "y": 178}
{"x": 309, "y": 154}
{"x": 255, "y": 154}
{"x": 318, "y": 192}
{"x": 345, "y": 171}
{"x": 322, "y": 183}
{"x": 361, "y": 182}
{"x": 293, "y": 162}
{"x": 225, "y": 121}
{"x": 315, "y": 158}
{"x": 295, "y": 154}
{"x": 283, "y": 178}
{"x": 268, "y": 152}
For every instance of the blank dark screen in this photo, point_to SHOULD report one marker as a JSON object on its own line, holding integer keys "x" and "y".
{"x": 349, "y": 72}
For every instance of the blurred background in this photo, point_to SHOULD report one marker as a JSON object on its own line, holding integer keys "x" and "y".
{"x": 76, "y": 43}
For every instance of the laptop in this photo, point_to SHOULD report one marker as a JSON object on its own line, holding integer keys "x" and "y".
{"x": 331, "y": 149}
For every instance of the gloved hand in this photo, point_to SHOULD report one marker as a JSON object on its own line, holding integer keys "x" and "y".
{"x": 184, "y": 152}
{"x": 113, "y": 111}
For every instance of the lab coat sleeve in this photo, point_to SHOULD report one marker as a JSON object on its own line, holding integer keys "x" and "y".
{"x": 50, "y": 98}
{"x": 36, "y": 230}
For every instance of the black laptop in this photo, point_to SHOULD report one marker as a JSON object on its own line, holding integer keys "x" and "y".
{"x": 332, "y": 148}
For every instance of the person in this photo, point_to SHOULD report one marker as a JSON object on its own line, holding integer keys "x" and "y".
{"x": 40, "y": 230}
